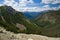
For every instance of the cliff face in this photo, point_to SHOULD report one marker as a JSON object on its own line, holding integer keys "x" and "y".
{"x": 6, "y": 35}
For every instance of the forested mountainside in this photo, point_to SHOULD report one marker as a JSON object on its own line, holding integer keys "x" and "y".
{"x": 50, "y": 22}
{"x": 47, "y": 23}
{"x": 15, "y": 21}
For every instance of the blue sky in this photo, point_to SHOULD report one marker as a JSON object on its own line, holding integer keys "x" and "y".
{"x": 17, "y": 0}
{"x": 32, "y": 5}
{"x": 1, "y": 1}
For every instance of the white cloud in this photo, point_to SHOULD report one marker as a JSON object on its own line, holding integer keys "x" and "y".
{"x": 30, "y": 9}
{"x": 22, "y": 2}
{"x": 9, "y": 2}
{"x": 46, "y": 6}
{"x": 47, "y": 1}
{"x": 57, "y": 1}
{"x": 12, "y": 3}
{"x": 38, "y": 9}
{"x": 22, "y": 6}
{"x": 26, "y": 2}
{"x": 50, "y": 1}
{"x": 16, "y": 6}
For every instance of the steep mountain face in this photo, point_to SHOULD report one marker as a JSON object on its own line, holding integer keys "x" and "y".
{"x": 15, "y": 21}
{"x": 50, "y": 22}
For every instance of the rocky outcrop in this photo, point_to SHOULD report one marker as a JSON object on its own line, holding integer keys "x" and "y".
{"x": 20, "y": 26}
{"x": 6, "y": 35}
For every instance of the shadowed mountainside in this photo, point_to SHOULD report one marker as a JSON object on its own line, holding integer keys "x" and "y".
{"x": 16, "y": 22}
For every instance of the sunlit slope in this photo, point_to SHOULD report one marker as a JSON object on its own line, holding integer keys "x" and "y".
{"x": 50, "y": 23}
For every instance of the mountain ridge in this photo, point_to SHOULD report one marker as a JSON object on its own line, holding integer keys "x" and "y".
{"x": 9, "y": 20}
{"x": 47, "y": 23}
{"x": 50, "y": 22}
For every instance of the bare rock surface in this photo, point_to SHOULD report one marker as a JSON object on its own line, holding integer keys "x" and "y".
{"x": 6, "y": 35}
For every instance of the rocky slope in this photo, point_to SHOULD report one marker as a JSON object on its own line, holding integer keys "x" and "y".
{"x": 6, "y": 35}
